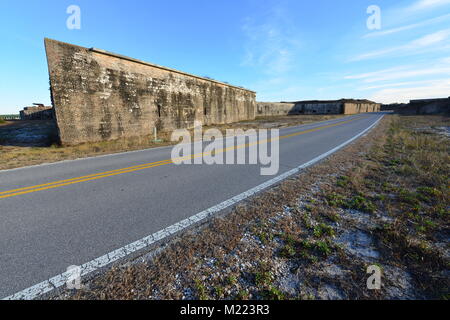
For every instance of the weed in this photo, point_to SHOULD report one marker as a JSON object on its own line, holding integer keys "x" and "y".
{"x": 335, "y": 200}
{"x": 323, "y": 248}
{"x": 263, "y": 279}
{"x": 242, "y": 295}
{"x": 322, "y": 229}
{"x": 408, "y": 197}
{"x": 264, "y": 237}
{"x": 288, "y": 251}
{"x": 342, "y": 181}
{"x": 273, "y": 293}
{"x": 201, "y": 290}
{"x": 429, "y": 192}
{"x": 231, "y": 280}
{"x": 219, "y": 291}
{"x": 360, "y": 203}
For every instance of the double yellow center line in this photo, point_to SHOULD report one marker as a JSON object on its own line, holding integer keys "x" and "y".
{"x": 101, "y": 175}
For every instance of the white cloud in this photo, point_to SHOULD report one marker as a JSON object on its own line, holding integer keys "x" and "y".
{"x": 407, "y": 27}
{"x": 424, "y": 42}
{"x": 404, "y": 72}
{"x": 410, "y": 74}
{"x": 435, "y": 90}
{"x": 375, "y": 73}
{"x": 402, "y": 84}
{"x": 430, "y": 39}
{"x": 272, "y": 44}
{"x": 427, "y": 4}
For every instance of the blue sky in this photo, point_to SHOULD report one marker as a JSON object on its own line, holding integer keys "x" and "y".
{"x": 284, "y": 50}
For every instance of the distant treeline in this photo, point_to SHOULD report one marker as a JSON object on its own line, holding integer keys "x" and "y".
{"x": 10, "y": 116}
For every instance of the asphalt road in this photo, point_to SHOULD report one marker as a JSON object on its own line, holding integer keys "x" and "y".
{"x": 46, "y": 226}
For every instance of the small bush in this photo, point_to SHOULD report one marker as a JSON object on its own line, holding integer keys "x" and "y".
{"x": 342, "y": 181}
{"x": 322, "y": 229}
{"x": 360, "y": 203}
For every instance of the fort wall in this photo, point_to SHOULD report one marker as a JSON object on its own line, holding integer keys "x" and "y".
{"x": 99, "y": 95}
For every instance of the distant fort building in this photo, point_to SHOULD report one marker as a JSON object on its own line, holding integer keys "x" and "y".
{"x": 421, "y": 106}
{"x": 37, "y": 112}
{"x": 430, "y": 106}
{"x": 342, "y": 106}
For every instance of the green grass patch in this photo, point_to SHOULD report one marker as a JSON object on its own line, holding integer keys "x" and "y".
{"x": 201, "y": 290}
{"x": 358, "y": 202}
{"x": 263, "y": 279}
{"x": 342, "y": 181}
{"x": 322, "y": 229}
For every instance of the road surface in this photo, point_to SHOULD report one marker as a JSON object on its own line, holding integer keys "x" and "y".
{"x": 71, "y": 212}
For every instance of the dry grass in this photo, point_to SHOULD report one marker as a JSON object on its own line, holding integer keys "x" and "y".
{"x": 16, "y": 155}
{"x": 406, "y": 179}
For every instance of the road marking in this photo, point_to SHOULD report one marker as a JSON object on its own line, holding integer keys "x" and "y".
{"x": 100, "y": 262}
{"x": 101, "y": 175}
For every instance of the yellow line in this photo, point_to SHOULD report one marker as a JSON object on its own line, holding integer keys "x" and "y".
{"x": 91, "y": 175}
{"x": 78, "y": 181}
{"x": 61, "y": 183}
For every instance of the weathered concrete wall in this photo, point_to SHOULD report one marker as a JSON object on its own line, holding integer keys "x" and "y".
{"x": 422, "y": 106}
{"x": 343, "y": 106}
{"x": 321, "y": 108}
{"x": 431, "y": 106}
{"x": 353, "y": 108}
{"x": 267, "y": 109}
{"x": 102, "y": 96}
{"x": 37, "y": 113}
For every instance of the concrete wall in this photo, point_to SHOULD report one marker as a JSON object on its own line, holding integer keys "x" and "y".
{"x": 267, "y": 109}
{"x": 102, "y": 96}
{"x": 424, "y": 106}
{"x": 321, "y": 108}
{"x": 37, "y": 113}
{"x": 431, "y": 106}
{"x": 353, "y": 108}
{"x": 344, "y": 106}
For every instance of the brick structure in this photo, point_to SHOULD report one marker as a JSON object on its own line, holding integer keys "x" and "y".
{"x": 98, "y": 95}
{"x": 37, "y": 112}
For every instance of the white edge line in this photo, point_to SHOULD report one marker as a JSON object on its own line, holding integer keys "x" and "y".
{"x": 152, "y": 148}
{"x": 93, "y": 265}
